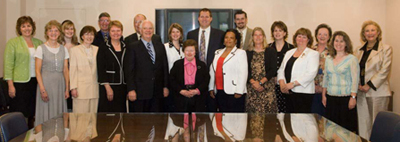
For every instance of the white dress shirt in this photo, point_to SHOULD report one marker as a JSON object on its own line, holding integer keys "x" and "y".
{"x": 207, "y": 38}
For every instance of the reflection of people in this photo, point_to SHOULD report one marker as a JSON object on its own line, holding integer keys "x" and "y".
{"x": 110, "y": 71}
{"x": 53, "y": 130}
{"x": 19, "y": 68}
{"x": 279, "y": 34}
{"x": 375, "y": 63}
{"x": 305, "y": 127}
{"x": 341, "y": 66}
{"x": 189, "y": 80}
{"x": 228, "y": 74}
{"x": 52, "y": 75}
{"x": 297, "y": 72}
{"x": 83, "y": 73}
{"x": 226, "y": 127}
{"x": 83, "y": 126}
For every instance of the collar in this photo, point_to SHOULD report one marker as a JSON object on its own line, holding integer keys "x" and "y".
{"x": 193, "y": 62}
{"x": 102, "y": 33}
{"x": 145, "y": 42}
{"x": 208, "y": 29}
{"x": 242, "y": 31}
{"x": 172, "y": 44}
{"x": 373, "y": 48}
{"x": 108, "y": 43}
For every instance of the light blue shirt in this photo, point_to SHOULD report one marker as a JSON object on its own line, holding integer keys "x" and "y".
{"x": 341, "y": 79}
{"x": 151, "y": 47}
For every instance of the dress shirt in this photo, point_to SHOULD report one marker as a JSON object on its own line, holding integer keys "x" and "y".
{"x": 190, "y": 71}
{"x": 151, "y": 47}
{"x": 341, "y": 79}
{"x": 207, "y": 38}
{"x": 138, "y": 36}
{"x": 244, "y": 32}
{"x": 32, "y": 51}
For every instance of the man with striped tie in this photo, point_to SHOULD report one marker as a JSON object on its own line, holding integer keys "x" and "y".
{"x": 146, "y": 72}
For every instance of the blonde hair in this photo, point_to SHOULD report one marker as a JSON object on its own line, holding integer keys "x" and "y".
{"x": 365, "y": 24}
{"x": 49, "y": 25}
{"x": 117, "y": 24}
{"x": 66, "y": 24}
{"x": 252, "y": 44}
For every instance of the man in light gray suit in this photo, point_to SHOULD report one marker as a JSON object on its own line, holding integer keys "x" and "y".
{"x": 241, "y": 26}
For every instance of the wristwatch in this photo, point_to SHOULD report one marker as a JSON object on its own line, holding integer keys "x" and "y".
{"x": 354, "y": 97}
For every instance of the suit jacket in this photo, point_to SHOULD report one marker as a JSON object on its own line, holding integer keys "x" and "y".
{"x": 269, "y": 63}
{"x": 146, "y": 78}
{"x": 109, "y": 67}
{"x": 99, "y": 39}
{"x": 134, "y": 37}
{"x": 177, "y": 80}
{"x": 247, "y": 39}
{"x": 377, "y": 69}
{"x": 234, "y": 71}
{"x": 305, "y": 68}
{"x": 215, "y": 42}
{"x": 83, "y": 76}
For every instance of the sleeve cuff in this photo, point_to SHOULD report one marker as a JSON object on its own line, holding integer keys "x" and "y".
{"x": 370, "y": 84}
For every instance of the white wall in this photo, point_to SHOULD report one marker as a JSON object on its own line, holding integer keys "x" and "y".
{"x": 346, "y": 15}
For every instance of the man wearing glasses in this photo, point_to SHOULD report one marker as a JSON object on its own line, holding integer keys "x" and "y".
{"x": 102, "y": 35}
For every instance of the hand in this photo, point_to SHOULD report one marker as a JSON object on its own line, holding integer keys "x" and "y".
{"x": 365, "y": 88}
{"x": 66, "y": 96}
{"x": 185, "y": 93}
{"x": 74, "y": 93}
{"x": 194, "y": 92}
{"x": 255, "y": 85}
{"x": 284, "y": 88}
{"x": 352, "y": 103}
{"x": 237, "y": 96}
{"x": 132, "y": 95}
{"x": 318, "y": 89}
{"x": 290, "y": 86}
{"x": 11, "y": 91}
{"x": 324, "y": 100}
{"x": 260, "y": 89}
{"x": 44, "y": 95}
{"x": 360, "y": 88}
{"x": 110, "y": 92}
{"x": 166, "y": 92}
{"x": 212, "y": 94}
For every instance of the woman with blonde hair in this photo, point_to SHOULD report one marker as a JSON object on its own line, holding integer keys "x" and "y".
{"x": 68, "y": 34}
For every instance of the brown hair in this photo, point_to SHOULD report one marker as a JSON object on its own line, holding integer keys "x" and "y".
{"x": 280, "y": 25}
{"x": 66, "y": 24}
{"x": 370, "y": 22}
{"x": 49, "y": 25}
{"x": 252, "y": 44}
{"x": 349, "y": 47}
{"x": 22, "y": 20}
{"x": 87, "y": 29}
{"x": 117, "y": 24}
{"x": 205, "y": 10}
{"x": 306, "y": 32}
{"x": 104, "y": 14}
{"x": 190, "y": 42}
{"x": 179, "y": 28}
{"x": 326, "y": 27}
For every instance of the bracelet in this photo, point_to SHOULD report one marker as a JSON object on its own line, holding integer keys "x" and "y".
{"x": 260, "y": 82}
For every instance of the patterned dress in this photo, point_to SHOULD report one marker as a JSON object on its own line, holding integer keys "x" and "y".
{"x": 260, "y": 102}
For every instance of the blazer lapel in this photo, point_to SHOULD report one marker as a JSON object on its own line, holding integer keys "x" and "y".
{"x": 230, "y": 55}
{"x": 375, "y": 52}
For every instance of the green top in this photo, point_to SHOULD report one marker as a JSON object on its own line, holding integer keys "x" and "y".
{"x": 17, "y": 59}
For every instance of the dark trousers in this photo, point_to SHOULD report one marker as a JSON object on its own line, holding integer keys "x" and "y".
{"x": 118, "y": 104}
{"x": 211, "y": 103}
{"x": 149, "y": 105}
{"x": 337, "y": 110}
{"x": 317, "y": 106}
{"x": 228, "y": 103}
{"x": 25, "y": 99}
{"x": 299, "y": 102}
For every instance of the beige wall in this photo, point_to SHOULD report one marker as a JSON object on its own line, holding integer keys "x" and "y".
{"x": 339, "y": 14}
{"x": 2, "y": 35}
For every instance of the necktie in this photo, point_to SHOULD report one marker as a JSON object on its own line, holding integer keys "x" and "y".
{"x": 241, "y": 40}
{"x": 148, "y": 47}
{"x": 203, "y": 47}
{"x": 105, "y": 38}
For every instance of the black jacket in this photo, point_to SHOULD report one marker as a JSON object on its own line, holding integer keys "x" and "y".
{"x": 134, "y": 37}
{"x": 269, "y": 63}
{"x": 109, "y": 67}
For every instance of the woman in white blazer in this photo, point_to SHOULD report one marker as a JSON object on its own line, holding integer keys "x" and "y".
{"x": 228, "y": 73}
{"x": 83, "y": 73}
{"x": 297, "y": 72}
{"x": 375, "y": 60}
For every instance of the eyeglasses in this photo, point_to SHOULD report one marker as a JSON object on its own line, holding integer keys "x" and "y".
{"x": 104, "y": 21}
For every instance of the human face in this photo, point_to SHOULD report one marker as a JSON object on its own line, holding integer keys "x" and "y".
{"x": 230, "y": 40}
{"x": 103, "y": 23}
{"x": 69, "y": 31}
{"x": 302, "y": 40}
{"x": 53, "y": 33}
{"x": 147, "y": 30}
{"x": 88, "y": 38}
{"x": 26, "y": 29}
{"x": 323, "y": 36}
{"x": 190, "y": 52}
{"x": 371, "y": 33}
{"x": 115, "y": 33}
{"x": 204, "y": 19}
{"x": 339, "y": 44}
{"x": 258, "y": 37}
{"x": 175, "y": 34}
{"x": 279, "y": 34}
{"x": 137, "y": 21}
{"x": 241, "y": 21}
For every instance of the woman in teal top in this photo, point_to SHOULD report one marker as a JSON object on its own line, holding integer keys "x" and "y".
{"x": 340, "y": 83}
{"x": 19, "y": 68}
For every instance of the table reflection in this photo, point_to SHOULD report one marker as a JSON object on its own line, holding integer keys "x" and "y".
{"x": 185, "y": 127}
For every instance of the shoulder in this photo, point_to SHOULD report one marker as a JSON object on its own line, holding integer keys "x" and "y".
{"x": 218, "y": 51}
{"x": 37, "y": 41}
{"x": 312, "y": 52}
{"x": 14, "y": 40}
{"x": 385, "y": 46}
{"x": 217, "y": 31}
{"x": 193, "y": 31}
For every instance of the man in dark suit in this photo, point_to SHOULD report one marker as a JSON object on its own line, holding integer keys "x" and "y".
{"x": 146, "y": 72}
{"x": 102, "y": 35}
{"x": 136, "y": 36}
{"x": 209, "y": 40}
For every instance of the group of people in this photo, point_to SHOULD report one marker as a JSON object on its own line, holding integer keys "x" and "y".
{"x": 212, "y": 70}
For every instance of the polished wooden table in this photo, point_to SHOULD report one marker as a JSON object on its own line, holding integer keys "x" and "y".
{"x": 213, "y": 127}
